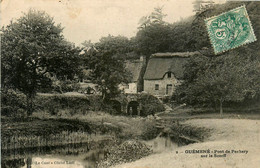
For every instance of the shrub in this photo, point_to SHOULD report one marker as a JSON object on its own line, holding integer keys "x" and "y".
{"x": 128, "y": 151}
{"x": 96, "y": 103}
{"x": 13, "y": 103}
{"x": 166, "y": 99}
{"x": 71, "y": 104}
{"x": 66, "y": 86}
{"x": 150, "y": 105}
{"x": 87, "y": 90}
{"x": 70, "y": 86}
{"x": 54, "y": 103}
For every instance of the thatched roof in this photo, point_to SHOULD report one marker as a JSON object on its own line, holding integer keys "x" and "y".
{"x": 134, "y": 67}
{"x": 175, "y": 54}
{"x": 160, "y": 63}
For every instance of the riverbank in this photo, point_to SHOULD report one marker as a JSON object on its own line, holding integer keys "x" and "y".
{"x": 82, "y": 135}
{"x": 239, "y": 135}
{"x": 234, "y": 135}
{"x": 123, "y": 127}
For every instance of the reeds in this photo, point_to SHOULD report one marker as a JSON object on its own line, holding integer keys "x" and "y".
{"x": 62, "y": 139}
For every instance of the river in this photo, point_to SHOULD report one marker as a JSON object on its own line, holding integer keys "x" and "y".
{"x": 70, "y": 156}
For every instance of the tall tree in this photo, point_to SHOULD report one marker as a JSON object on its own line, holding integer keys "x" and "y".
{"x": 32, "y": 48}
{"x": 200, "y": 5}
{"x": 156, "y": 17}
{"x": 152, "y": 39}
{"x": 231, "y": 77}
{"x": 153, "y": 35}
{"x": 107, "y": 65}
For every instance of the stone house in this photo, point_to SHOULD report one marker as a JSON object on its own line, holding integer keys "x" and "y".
{"x": 134, "y": 67}
{"x": 164, "y": 72}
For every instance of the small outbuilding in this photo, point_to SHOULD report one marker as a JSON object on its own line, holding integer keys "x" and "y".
{"x": 134, "y": 67}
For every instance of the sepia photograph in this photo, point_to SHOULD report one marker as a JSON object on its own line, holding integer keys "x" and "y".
{"x": 130, "y": 83}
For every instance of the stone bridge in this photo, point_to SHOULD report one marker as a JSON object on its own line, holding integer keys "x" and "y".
{"x": 128, "y": 104}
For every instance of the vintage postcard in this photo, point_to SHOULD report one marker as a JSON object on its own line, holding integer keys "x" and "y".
{"x": 130, "y": 84}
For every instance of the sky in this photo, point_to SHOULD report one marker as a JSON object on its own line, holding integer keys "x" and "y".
{"x": 92, "y": 19}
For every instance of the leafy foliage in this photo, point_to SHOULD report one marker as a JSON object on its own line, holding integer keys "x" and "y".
{"x": 153, "y": 38}
{"x": 33, "y": 49}
{"x": 107, "y": 67}
{"x": 13, "y": 103}
{"x": 61, "y": 86}
{"x": 128, "y": 151}
{"x": 56, "y": 104}
{"x": 156, "y": 17}
{"x": 156, "y": 35}
{"x": 231, "y": 77}
{"x": 199, "y": 31}
{"x": 189, "y": 34}
{"x": 153, "y": 33}
{"x": 150, "y": 105}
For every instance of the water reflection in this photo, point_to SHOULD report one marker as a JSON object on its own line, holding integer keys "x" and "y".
{"x": 69, "y": 156}
{"x": 161, "y": 144}
{"x": 57, "y": 158}
{"x": 15, "y": 163}
{"x": 53, "y": 162}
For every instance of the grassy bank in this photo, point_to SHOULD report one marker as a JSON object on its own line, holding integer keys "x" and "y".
{"x": 48, "y": 130}
{"x": 123, "y": 127}
{"x": 40, "y": 133}
{"x": 44, "y": 132}
{"x": 40, "y": 126}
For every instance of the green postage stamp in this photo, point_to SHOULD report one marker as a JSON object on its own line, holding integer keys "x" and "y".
{"x": 230, "y": 30}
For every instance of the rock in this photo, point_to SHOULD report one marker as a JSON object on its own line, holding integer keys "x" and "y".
{"x": 123, "y": 124}
{"x": 108, "y": 124}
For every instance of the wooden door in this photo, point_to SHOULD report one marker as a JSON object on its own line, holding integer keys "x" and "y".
{"x": 169, "y": 89}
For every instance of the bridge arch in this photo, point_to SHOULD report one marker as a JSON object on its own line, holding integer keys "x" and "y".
{"x": 130, "y": 104}
{"x": 133, "y": 108}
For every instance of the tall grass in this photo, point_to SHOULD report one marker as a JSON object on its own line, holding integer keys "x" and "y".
{"x": 62, "y": 139}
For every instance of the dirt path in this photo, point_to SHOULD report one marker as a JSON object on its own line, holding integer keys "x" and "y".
{"x": 239, "y": 136}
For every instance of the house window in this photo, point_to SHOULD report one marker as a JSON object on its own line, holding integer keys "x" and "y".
{"x": 169, "y": 74}
{"x": 156, "y": 86}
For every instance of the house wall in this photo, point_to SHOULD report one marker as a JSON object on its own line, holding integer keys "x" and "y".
{"x": 131, "y": 88}
{"x": 149, "y": 86}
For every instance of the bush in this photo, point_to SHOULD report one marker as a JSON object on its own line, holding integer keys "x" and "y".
{"x": 58, "y": 104}
{"x": 66, "y": 86}
{"x": 13, "y": 103}
{"x": 87, "y": 90}
{"x": 54, "y": 103}
{"x": 150, "y": 105}
{"x": 128, "y": 151}
{"x": 70, "y": 86}
{"x": 166, "y": 99}
{"x": 96, "y": 103}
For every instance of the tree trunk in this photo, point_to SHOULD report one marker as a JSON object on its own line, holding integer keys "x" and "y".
{"x": 215, "y": 105}
{"x": 29, "y": 98}
{"x": 220, "y": 107}
{"x": 103, "y": 95}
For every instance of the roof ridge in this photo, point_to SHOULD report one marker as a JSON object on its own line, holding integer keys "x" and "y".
{"x": 175, "y": 54}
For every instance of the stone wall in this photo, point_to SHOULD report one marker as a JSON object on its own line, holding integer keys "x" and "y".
{"x": 129, "y": 88}
{"x": 132, "y": 88}
{"x": 149, "y": 86}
